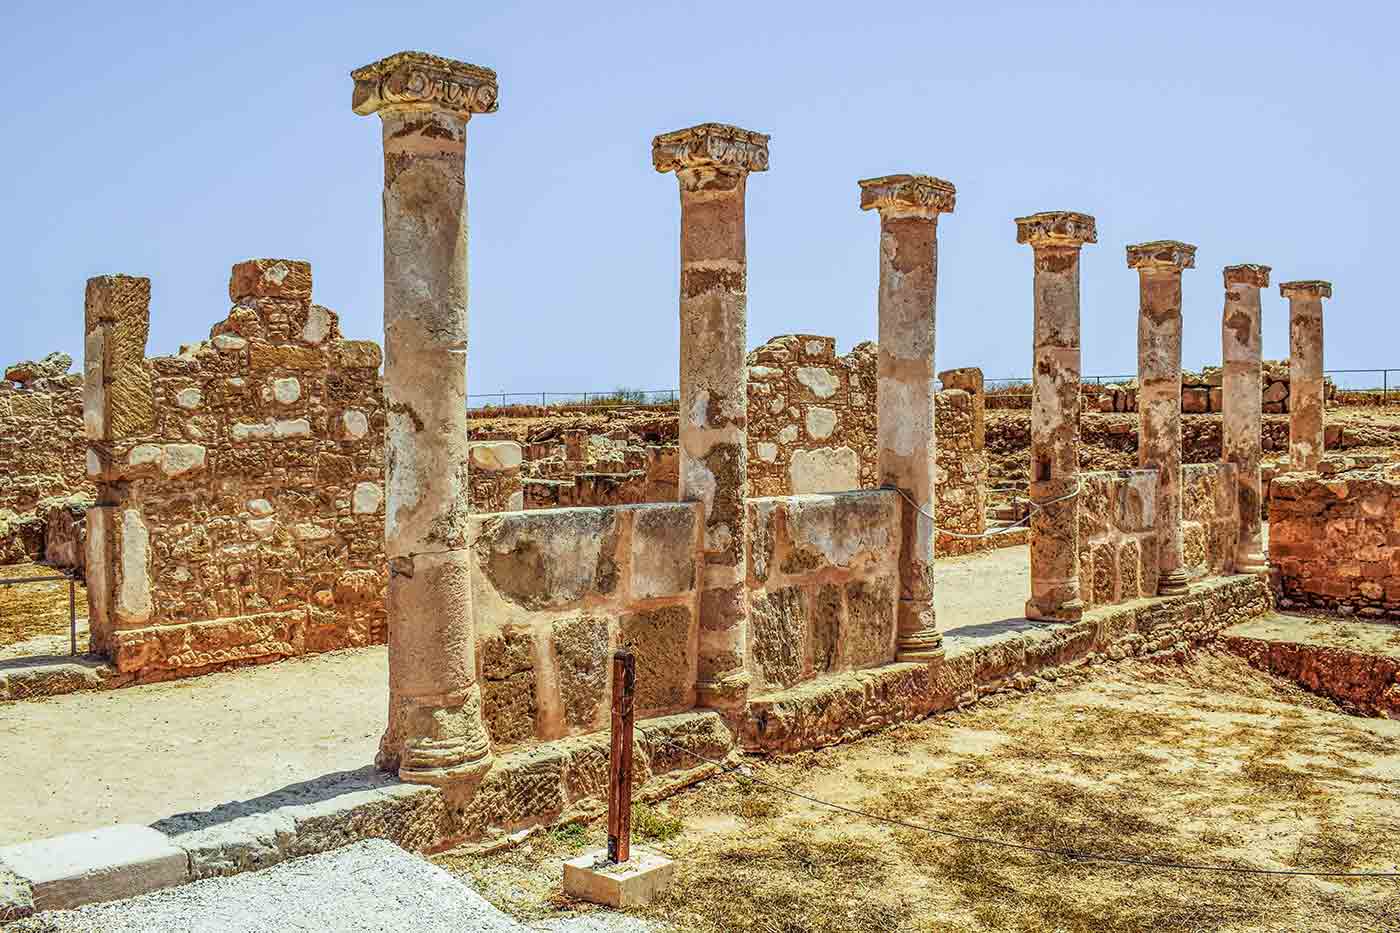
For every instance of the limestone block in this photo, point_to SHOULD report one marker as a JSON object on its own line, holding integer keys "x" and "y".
{"x": 821, "y": 422}
{"x": 868, "y": 632}
{"x": 508, "y": 702}
{"x": 229, "y": 343}
{"x": 189, "y": 398}
{"x": 262, "y": 356}
{"x": 778, "y": 624}
{"x": 354, "y": 424}
{"x": 581, "y": 647}
{"x": 52, "y": 366}
{"x": 548, "y": 559}
{"x": 591, "y": 877}
{"x": 296, "y": 427}
{"x": 181, "y": 459}
{"x": 132, "y": 599}
{"x": 286, "y": 391}
{"x": 270, "y": 278}
{"x": 788, "y": 434}
{"x": 357, "y": 354}
{"x": 820, "y": 380}
{"x": 825, "y": 469}
{"x": 118, "y": 401}
{"x": 661, "y": 639}
{"x": 767, "y": 452}
{"x": 496, "y": 455}
{"x": 664, "y": 550}
{"x": 367, "y": 499}
{"x": 89, "y": 867}
{"x": 318, "y": 326}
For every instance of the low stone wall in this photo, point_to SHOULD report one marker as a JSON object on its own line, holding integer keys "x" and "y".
{"x": 1117, "y": 536}
{"x": 1334, "y": 543}
{"x": 555, "y": 591}
{"x": 1210, "y": 518}
{"x": 823, "y": 579}
{"x": 811, "y": 417}
{"x": 960, "y": 502}
{"x": 240, "y": 482}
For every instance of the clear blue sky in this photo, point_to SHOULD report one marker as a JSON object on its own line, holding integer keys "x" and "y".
{"x": 173, "y": 139}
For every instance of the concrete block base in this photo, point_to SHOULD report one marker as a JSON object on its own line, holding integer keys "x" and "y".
{"x": 99, "y": 865}
{"x": 591, "y": 877}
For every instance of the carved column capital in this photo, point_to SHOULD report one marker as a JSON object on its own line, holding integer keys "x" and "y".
{"x": 1056, "y": 228}
{"x": 710, "y": 155}
{"x": 1162, "y": 256}
{"x": 907, "y": 196}
{"x": 421, "y": 81}
{"x": 1247, "y": 274}
{"x": 1312, "y": 288}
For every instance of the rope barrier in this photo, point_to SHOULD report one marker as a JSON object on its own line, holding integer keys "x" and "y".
{"x": 1073, "y": 855}
{"x": 1005, "y": 530}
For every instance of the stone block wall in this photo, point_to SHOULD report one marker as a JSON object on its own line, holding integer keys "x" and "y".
{"x": 823, "y": 579}
{"x": 240, "y": 483}
{"x": 1117, "y": 536}
{"x": 961, "y": 497}
{"x": 1334, "y": 541}
{"x": 1210, "y": 518}
{"x": 811, "y": 417}
{"x": 556, "y": 591}
{"x": 494, "y": 478}
{"x": 41, "y": 452}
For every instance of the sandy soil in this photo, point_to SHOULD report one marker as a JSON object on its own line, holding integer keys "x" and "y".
{"x": 1211, "y": 763}
{"x": 1375, "y": 638}
{"x": 138, "y": 754}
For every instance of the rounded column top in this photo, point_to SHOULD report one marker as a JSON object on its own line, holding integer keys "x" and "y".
{"x": 717, "y": 147}
{"x": 423, "y": 81}
{"x": 1247, "y": 273}
{"x": 1310, "y": 288}
{"x": 1162, "y": 254}
{"x": 1056, "y": 228}
{"x": 907, "y": 195}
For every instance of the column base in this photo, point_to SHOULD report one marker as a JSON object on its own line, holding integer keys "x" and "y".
{"x": 1173, "y": 583}
{"x": 427, "y": 743}
{"x": 422, "y": 764}
{"x": 729, "y": 694}
{"x": 1071, "y": 611}
{"x": 920, "y": 646}
{"x": 1251, "y": 562}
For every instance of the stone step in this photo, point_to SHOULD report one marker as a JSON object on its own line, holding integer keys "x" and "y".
{"x": 97, "y": 865}
{"x": 1354, "y": 662}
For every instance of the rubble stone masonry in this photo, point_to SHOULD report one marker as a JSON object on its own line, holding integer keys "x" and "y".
{"x": 1334, "y": 541}
{"x": 240, "y": 483}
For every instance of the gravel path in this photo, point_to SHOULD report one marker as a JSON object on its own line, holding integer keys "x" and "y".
{"x": 368, "y": 887}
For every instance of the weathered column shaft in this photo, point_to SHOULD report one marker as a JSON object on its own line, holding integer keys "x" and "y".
{"x": 712, "y": 163}
{"x": 1057, "y": 238}
{"x": 1159, "y": 266}
{"x": 1305, "y": 389}
{"x": 1242, "y": 399}
{"x": 909, "y": 206}
{"x": 435, "y": 731}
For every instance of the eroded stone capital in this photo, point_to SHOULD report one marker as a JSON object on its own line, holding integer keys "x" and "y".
{"x": 1162, "y": 254}
{"x": 907, "y": 195}
{"x": 1247, "y": 273}
{"x": 1312, "y": 288}
{"x": 421, "y": 81}
{"x": 711, "y": 148}
{"x": 1056, "y": 228}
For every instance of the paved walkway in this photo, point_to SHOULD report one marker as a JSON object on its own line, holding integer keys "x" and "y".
{"x": 139, "y": 754}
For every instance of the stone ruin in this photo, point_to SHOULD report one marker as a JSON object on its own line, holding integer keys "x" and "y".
{"x": 240, "y": 496}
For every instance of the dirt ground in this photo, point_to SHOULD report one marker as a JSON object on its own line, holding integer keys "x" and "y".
{"x": 38, "y": 610}
{"x": 1208, "y": 763}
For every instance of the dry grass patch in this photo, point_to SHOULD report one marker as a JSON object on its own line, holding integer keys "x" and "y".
{"x": 33, "y": 609}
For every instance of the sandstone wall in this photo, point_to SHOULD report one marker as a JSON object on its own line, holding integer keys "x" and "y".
{"x": 556, "y": 591}
{"x": 41, "y": 452}
{"x": 1334, "y": 541}
{"x": 961, "y": 498}
{"x": 494, "y": 477}
{"x": 1117, "y": 542}
{"x": 240, "y": 514}
{"x": 811, "y": 417}
{"x": 1210, "y": 518}
{"x": 823, "y": 581}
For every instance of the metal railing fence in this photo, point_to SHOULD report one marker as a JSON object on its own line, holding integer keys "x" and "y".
{"x": 72, "y": 581}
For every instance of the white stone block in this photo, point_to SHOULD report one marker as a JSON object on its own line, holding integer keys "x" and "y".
{"x": 367, "y": 499}
{"x": 591, "y": 877}
{"x": 189, "y": 398}
{"x": 229, "y": 343}
{"x": 496, "y": 456}
{"x": 297, "y": 427}
{"x": 105, "y": 864}
{"x": 143, "y": 455}
{"x": 355, "y": 424}
{"x": 259, "y": 508}
{"x": 767, "y": 452}
{"x": 180, "y": 459}
{"x": 826, "y": 469}
{"x": 133, "y": 597}
{"x": 820, "y": 423}
{"x": 287, "y": 390}
{"x": 819, "y": 379}
{"x": 318, "y": 325}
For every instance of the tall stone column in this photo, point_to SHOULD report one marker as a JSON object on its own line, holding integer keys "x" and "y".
{"x": 1159, "y": 266}
{"x": 1057, "y": 238}
{"x": 435, "y": 732}
{"x": 1305, "y": 392}
{"x": 1242, "y": 402}
{"x": 909, "y": 206}
{"x": 712, "y": 162}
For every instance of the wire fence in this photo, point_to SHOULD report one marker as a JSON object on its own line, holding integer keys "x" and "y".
{"x": 1381, "y": 385}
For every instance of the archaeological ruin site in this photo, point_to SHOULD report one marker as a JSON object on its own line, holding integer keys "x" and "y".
{"x": 284, "y": 592}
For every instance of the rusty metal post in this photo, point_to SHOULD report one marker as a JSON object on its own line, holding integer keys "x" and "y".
{"x": 624, "y": 686}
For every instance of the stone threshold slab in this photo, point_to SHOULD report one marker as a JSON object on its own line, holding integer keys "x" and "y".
{"x": 565, "y": 780}
{"x": 982, "y": 659}
{"x": 1353, "y": 662}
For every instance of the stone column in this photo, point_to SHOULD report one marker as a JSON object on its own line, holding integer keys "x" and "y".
{"x": 712, "y": 162}
{"x": 1159, "y": 266}
{"x": 435, "y": 731}
{"x": 1305, "y": 392}
{"x": 1056, "y": 237}
{"x": 909, "y": 206}
{"x": 1242, "y": 403}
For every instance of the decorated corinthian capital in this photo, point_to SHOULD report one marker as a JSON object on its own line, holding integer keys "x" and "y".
{"x": 1162, "y": 254}
{"x": 710, "y": 149}
{"x": 420, "y": 81}
{"x": 907, "y": 195}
